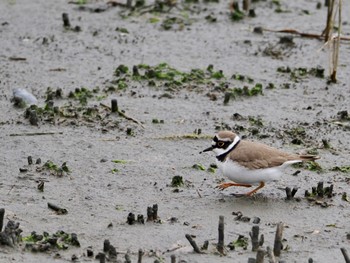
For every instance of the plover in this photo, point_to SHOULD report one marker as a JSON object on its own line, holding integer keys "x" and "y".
{"x": 248, "y": 163}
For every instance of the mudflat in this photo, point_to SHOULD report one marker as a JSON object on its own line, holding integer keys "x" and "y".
{"x": 177, "y": 72}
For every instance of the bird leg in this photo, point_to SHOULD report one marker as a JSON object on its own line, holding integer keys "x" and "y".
{"x": 261, "y": 185}
{"x": 229, "y": 184}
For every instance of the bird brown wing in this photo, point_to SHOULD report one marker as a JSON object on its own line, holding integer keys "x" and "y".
{"x": 255, "y": 155}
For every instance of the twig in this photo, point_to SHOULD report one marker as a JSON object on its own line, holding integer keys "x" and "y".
{"x": 345, "y": 254}
{"x": 10, "y": 189}
{"x": 278, "y": 240}
{"x": 295, "y": 32}
{"x": 190, "y": 136}
{"x": 139, "y": 260}
{"x": 246, "y": 5}
{"x": 335, "y": 43}
{"x": 114, "y": 105}
{"x": 65, "y": 19}
{"x": 59, "y": 210}
{"x": 173, "y": 258}
{"x": 320, "y": 191}
{"x": 17, "y": 58}
{"x": 326, "y": 32}
{"x": 221, "y": 245}
{"x": 122, "y": 114}
{"x": 193, "y": 244}
{"x": 2, "y": 214}
{"x": 35, "y": 133}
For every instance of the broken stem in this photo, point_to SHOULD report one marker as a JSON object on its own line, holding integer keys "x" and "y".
{"x": 34, "y": 133}
{"x": 193, "y": 244}
{"x": 254, "y": 235}
{"x": 122, "y": 114}
{"x": 220, "y": 245}
{"x": 2, "y": 214}
{"x": 345, "y": 254}
{"x": 260, "y": 256}
{"x": 270, "y": 255}
{"x": 278, "y": 240}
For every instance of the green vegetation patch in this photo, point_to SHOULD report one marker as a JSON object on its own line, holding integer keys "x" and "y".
{"x": 299, "y": 73}
{"x": 44, "y": 242}
{"x": 241, "y": 241}
{"x": 177, "y": 181}
{"x": 56, "y": 169}
{"x": 342, "y": 169}
{"x": 171, "y": 79}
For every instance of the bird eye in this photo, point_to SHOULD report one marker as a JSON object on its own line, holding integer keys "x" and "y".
{"x": 221, "y": 144}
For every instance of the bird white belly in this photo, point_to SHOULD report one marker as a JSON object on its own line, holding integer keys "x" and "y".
{"x": 240, "y": 174}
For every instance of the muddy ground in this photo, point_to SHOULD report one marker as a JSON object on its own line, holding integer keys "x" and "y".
{"x": 300, "y": 113}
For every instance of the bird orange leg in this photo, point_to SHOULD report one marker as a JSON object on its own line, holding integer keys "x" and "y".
{"x": 261, "y": 185}
{"x": 229, "y": 184}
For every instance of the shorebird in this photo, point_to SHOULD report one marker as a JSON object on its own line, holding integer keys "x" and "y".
{"x": 248, "y": 163}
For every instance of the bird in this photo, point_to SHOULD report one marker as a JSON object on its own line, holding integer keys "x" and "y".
{"x": 247, "y": 163}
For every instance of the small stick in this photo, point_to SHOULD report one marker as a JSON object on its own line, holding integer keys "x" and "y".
{"x": 246, "y": 5}
{"x": 327, "y": 30}
{"x": 17, "y": 58}
{"x": 320, "y": 189}
{"x": 2, "y": 214}
{"x": 122, "y": 114}
{"x": 270, "y": 255}
{"x": 59, "y": 210}
{"x": 294, "y": 191}
{"x": 106, "y": 245}
{"x": 139, "y": 260}
{"x": 150, "y": 214}
{"x": 114, "y": 104}
{"x": 295, "y": 32}
{"x": 205, "y": 245}
{"x": 261, "y": 240}
{"x": 127, "y": 257}
{"x": 173, "y": 258}
{"x": 155, "y": 211}
{"x": 65, "y": 19}
{"x": 278, "y": 240}
{"x": 289, "y": 193}
{"x": 220, "y": 245}
{"x": 30, "y": 160}
{"x": 140, "y": 219}
{"x": 193, "y": 244}
{"x": 260, "y": 256}
{"x": 345, "y": 254}
{"x": 33, "y": 118}
{"x": 131, "y": 218}
{"x": 254, "y": 235}
{"x": 34, "y": 133}
{"x": 10, "y": 189}
{"x": 330, "y": 192}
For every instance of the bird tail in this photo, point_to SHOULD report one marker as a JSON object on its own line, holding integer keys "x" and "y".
{"x": 308, "y": 157}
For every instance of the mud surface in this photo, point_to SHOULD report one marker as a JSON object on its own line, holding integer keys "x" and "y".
{"x": 299, "y": 114}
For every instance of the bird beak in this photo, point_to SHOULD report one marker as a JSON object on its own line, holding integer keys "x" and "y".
{"x": 207, "y": 150}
